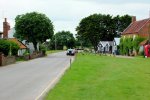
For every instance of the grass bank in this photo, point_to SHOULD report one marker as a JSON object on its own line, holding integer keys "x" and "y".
{"x": 94, "y": 77}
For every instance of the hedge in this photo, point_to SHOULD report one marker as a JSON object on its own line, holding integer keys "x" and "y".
{"x": 8, "y": 47}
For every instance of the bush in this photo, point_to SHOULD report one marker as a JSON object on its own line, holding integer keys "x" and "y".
{"x": 128, "y": 44}
{"x": 136, "y": 43}
{"x": 43, "y": 49}
{"x": 8, "y": 47}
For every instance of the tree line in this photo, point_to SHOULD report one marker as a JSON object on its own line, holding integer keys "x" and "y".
{"x": 37, "y": 28}
{"x": 101, "y": 27}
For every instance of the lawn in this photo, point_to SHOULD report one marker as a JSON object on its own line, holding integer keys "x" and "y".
{"x": 94, "y": 77}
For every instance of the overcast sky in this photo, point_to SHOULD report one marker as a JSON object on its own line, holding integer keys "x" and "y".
{"x": 66, "y": 14}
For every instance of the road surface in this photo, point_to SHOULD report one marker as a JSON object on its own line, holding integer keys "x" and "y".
{"x": 29, "y": 80}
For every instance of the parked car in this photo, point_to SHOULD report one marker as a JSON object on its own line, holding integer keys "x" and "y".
{"x": 70, "y": 52}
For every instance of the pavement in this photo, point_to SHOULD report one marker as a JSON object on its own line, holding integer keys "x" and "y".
{"x": 30, "y": 80}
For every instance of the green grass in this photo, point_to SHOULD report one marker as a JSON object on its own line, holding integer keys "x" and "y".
{"x": 94, "y": 77}
{"x": 53, "y": 51}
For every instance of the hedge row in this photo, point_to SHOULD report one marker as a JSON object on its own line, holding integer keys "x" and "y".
{"x": 8, "y": 47}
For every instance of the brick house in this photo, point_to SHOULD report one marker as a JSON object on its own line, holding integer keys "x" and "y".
{"x": 137, "y": 28}
{"x": 5, "y": 33}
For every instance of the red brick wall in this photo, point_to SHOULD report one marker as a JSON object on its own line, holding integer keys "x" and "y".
{"x": 144, "y": 32}
{"x": 6, "y": 60}
{"x": 6, "y": 28}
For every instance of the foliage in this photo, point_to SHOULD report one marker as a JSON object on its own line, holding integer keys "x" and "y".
{"x": 61, "y": 39}
{"x": 81, "y": 42}
{"x": 121, "y": 23}
{"x": 42, "y": 47}
{"x": 98, "y": 27}
{"x": 26, "y": 52}
{"x": 104, "y": 78}
{"x": 128, "y": 44}
{"x": 7, "y": 46}
{"x": 33, "y": 27}
{"x": 137, "y": 40}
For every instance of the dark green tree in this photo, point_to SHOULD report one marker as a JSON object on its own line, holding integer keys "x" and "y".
{"x": 33, "y": 27}
{"x": 121, "y": 23}
{"x": 96, "y": 27}
{"x": 63, "y": 38}
{"x": 82, "y": 42}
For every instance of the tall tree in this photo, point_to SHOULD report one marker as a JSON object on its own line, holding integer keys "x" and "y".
{"x": 63, "y": 38}
{"x": 33, "y": 27}
{"x": 96, "y": 27}
{"x": 82, "y": 42}
{"x": 121, "y": 23}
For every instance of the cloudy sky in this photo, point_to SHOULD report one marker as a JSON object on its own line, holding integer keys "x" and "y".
{"x": 66, "y": 14}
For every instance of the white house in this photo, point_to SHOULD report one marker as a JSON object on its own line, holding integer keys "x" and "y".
{"x": 29, "y": 45}
{"x": 116, "y": 43}
{"x": 105, "y": 46}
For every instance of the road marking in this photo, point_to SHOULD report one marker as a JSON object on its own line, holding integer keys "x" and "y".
{"x": 52, "y": 82}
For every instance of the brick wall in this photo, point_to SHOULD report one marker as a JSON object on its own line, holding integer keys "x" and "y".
{"x": 6, "y": 28}
{"x": 6, "y": 60}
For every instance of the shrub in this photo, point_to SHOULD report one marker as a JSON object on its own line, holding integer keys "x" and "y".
{"x": 136, "y": 43}
{"x": 8, "y": 47}
{"x": 42, "y": 48}
{"x": 128, "y": 44}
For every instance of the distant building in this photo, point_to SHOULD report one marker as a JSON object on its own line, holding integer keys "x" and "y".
{"x": 115, "y": 49}
{"x": 105, "y": 46}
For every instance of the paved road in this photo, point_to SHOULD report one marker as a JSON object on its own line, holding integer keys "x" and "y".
{"x": 30, "y": 79}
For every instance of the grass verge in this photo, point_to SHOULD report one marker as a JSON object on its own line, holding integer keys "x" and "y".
{"x": 94, "y": 77}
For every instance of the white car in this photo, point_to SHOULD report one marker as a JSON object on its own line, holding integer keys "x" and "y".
{"x": 70, "y": 52}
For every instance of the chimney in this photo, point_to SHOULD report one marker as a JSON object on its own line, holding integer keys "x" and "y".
{"x": 6, "y": 28}
{"x": 133, "y": 19}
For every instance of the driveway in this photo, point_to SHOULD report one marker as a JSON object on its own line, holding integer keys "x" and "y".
{"x": 29, "y": 80}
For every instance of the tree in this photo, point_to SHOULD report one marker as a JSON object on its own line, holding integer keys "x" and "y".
{"x": 121, "y": 23}
{"x": 63, "y": 38}
{"x": 96, "y": 27}
{"x": 33, "y": 27}
{"x": 82, "y": 42}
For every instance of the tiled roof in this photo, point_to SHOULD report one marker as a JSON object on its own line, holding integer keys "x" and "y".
{"x": 21, "y": 45}
{"x": 135, "y": 27}
{"x": 144, "y": 42}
